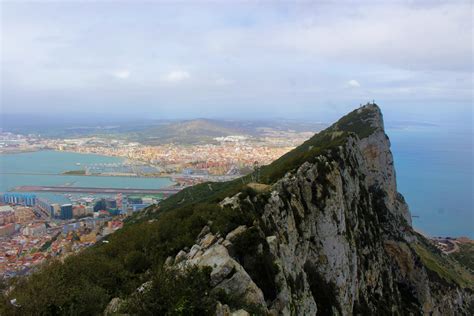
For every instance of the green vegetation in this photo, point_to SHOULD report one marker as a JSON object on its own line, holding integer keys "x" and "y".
{"x": 357, "y": 122}
{"x": 119, "y": 267}
{"x": 77, "y": 287}
{"x": 307, "y": 152}
{"x": 175, "y": 293}
{"x": 442, "y": 266}
{"x": 85, "y": 283}
{"x": 75, "y": 172}
{"x": 465, "y": 255}
{"x": 319, "y": 144}
{"x": 200, "y": 131}
{"x": 47, "y": 244}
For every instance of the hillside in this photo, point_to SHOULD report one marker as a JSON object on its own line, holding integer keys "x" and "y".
{"x": 186, "y": 132}
{"x": 320, "y": 231}
{"x": 465, "y": 255}
{"x": 158, "y": 132}
{"x": 204, "y": 131}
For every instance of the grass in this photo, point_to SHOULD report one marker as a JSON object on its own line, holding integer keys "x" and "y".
{"x": 307, "y": 152}
{"x": 465, "y": 256}
{"x": 443, "y": 266}
{"x": 75, "y": 172}
{"x": 85, "y": 283}
{"x": 356, "y": 122}
{"x": 259, "y": 187}
{"x": 334, "y": 136}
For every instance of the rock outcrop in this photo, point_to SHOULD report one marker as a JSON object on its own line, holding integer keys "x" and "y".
{"x": 332, "y": 237}
{"x": 227, "y": 274}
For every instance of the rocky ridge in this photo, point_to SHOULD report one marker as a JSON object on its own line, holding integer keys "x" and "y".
{"x": 332, "y": 237}
{"x": 320, "y": 231}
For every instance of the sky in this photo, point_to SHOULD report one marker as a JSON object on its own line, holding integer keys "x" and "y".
{"x": 229, "y": 59}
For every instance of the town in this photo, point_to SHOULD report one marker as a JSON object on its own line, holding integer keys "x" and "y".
{"x": 33, "y": 230}
{"x": 227, "y": 158}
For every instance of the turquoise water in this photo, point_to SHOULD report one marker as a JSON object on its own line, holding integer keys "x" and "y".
{"x": 53, "y": 163}
{"x": 435, "y": 174}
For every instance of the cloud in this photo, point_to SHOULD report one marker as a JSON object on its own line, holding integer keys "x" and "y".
{"x": 223, "y": 82}
{"x": 176, "y": 76}
{"x": 122, "y": 74}
{"x": 353, "y": 83}
{"x": 436, "y": 37}
{"x": 237, "y": 55}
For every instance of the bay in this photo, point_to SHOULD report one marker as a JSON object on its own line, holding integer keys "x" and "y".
{"x": 45, "y": 168}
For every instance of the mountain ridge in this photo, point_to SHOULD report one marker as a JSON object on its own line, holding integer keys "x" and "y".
{"x": 320, "y": 231}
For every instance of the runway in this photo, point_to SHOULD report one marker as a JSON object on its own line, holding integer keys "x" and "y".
{"x": 68, "y": 189}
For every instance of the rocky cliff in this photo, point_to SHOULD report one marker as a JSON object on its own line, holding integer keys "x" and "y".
{"x": 320, "y": 231}
{"x": 332, "y": 237}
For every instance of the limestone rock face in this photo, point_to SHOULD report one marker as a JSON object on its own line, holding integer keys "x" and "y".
{"x": 335, "y": 236}
{"x": 342, "y": 247}
{"x": 113, "y": 307}
{"x": 380, "y": 166}
{"x": 227, "y": 274}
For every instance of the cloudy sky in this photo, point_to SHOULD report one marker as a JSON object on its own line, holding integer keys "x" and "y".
{"x": 250, "y": 59}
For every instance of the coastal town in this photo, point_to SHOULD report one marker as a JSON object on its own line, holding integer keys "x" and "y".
{"x": 229, "y": 156}
{"x": 32, "y": 230}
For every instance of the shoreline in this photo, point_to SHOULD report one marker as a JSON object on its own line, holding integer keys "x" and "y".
{"x": 64, "y": 173}
{"x": 14, "y": 152}
{"x": 86, "y": 175}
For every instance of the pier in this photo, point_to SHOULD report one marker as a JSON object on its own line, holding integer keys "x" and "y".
{"x": 68, "y": 189}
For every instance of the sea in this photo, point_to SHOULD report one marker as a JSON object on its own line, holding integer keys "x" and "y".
{"x": 434, "y": 166}
{"x": 434, "y": 172}
{"x": 46, "y": 168}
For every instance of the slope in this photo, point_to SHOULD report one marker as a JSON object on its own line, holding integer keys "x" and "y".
{"x": 325, "y": 232}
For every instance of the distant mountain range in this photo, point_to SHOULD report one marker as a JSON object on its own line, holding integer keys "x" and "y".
{"x": 206, "y": 130}
{"x": 189, "y": 132}
{"x": 158, "y": 131}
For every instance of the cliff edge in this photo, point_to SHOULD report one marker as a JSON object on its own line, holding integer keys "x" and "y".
{"x": 334, "y": 237}
{"x": 320, "y": 231}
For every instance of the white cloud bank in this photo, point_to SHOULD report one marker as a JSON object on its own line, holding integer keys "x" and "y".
{"x": 353, "y": 83}
{"x": 122, "y": 74}
{"x": 306, "y": 53}
{"x": 176, "y": 76}
{"x": 223, "y": 82}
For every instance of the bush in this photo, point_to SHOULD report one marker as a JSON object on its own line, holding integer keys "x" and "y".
{"x": 175, "y": 292}
{"x": 136, "y": 262}
{"x": 56, "y": 291}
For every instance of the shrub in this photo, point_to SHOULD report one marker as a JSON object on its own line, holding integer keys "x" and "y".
{"x": 174, "y": 292}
